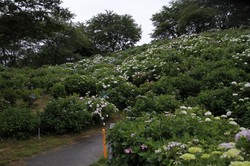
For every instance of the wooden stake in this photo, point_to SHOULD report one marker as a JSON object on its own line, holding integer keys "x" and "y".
{"x": 104, "y": 143}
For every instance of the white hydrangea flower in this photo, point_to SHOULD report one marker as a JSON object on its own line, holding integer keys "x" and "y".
{"x": 234, "y": 83}
{"x": 183, "y": 107}
{"x": 235, "y": 94}
{"x": 208, "y": 113}
{"x": 229, "y": 113}
{"x": 158, "y": 151}
{"x": 193, "y": 114}
{"x": 242, "y": 128}
{"x": 233, "y": 123}
{"x": 247, "y": 85}
{"x": 207, "y": 120}
{"x": 183, "y": 112}
{"x": 217, "y": 118}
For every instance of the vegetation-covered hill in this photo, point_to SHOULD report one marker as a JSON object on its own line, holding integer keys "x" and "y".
{"x": 198, "y": 73}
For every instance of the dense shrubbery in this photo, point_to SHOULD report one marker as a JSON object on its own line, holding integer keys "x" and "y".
{"x": 79, "y": 84}
{"x": 19, "y": 123}
{"x": 210, "y": 70}
{"x": 123, "y": 95}
{"x": 190, "y": 136}
{"x": 65, "y": 115}
{"x": 100, "y": 109}
{"x": 152, "y": 103}
{"x": 74, "y": 114}
{"x": 58, "y": 90}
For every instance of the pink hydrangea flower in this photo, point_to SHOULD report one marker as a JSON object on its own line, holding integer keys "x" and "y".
{"x": 128, "y": 151}
{"x": 244, "y": 133}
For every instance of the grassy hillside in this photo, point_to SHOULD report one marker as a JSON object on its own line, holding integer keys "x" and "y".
{"x": 210, "y": 70}
{"x": 191, "y": 69}
{"x": 206, "y": 72}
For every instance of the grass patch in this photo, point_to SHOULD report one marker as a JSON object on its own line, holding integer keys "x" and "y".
{"x": 13, "y": 152}
{"x": 101, "y": 162}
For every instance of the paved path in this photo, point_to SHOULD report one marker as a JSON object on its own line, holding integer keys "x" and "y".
{"x": 83, "y": 153}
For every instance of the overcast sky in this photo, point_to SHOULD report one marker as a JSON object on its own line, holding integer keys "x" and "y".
{"x": 140, "y": 10}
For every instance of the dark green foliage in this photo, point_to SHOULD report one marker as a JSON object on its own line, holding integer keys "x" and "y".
{"x": 186, "y": 86}
{"x": 217, "y": 101}
{"x": 10, "y": 96}
{"x": 151, "y": 103}
{"x": 123, "y": 95}
{"x": 242, "y": 113}
{"x": 79, "y": 84}
{"x": 195, "y": 19}
{"x": 65, "y": 115}
{"x": 111, "y": 32}
{"x": 30, "y": 96}
{"x": 152, "y": 139}
{"x": 223, "y": 76}
{"x": 210, "y": 71}
{"x": 69, "y": 45}
{"x": 195, "y": 16}
{"x": 18, "y": 123}
{"x": 26, "y": 23}
{"x": 4, "y": 104}
{"x": 58, "y": 90}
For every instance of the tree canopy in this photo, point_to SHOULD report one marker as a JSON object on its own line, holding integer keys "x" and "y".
{"x": 68, "y": 45}
{"x": 195, "y": 16}
{"x": 111, "y": 32}
{"x": 24, "y": 24}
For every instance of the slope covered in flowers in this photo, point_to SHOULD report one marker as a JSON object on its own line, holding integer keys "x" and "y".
{"x": 189, "y": 136}
{"x": 209, "y": 71}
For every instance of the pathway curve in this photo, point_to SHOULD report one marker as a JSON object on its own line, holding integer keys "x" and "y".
{"x": 82, "y": 153}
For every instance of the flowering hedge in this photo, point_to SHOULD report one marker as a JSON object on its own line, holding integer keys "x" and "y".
{"x": 209, "y": 70}
{"x": 187, "y": 137}
{"x": 74, "y": 114}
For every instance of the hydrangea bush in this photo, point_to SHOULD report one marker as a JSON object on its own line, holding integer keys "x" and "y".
{"x": 209, "y": 70}
{"x": 74, "y": 114}
{"x": 190, "y": 136}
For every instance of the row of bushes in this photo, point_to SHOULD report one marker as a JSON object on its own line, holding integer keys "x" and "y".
{"x": 189, "y": 136}
{"x": 62, "y": 115}
{"x": 193, "y": 71}
{"x": 159, "y": 77}
{"x": 179, "y": 89}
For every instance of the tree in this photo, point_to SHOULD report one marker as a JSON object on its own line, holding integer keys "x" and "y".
{"x": 165, "y": 23}
{"x": 196, "y": 19}
{"x": 195, "y": 16}
{"x": 111, "y": 32}
{"x": 69, "y": 45}
{"x": 25, "y": 24}
{"x": 230, "y": 13}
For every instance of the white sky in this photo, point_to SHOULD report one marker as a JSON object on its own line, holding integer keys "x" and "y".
{"x": 140, "y": 10}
